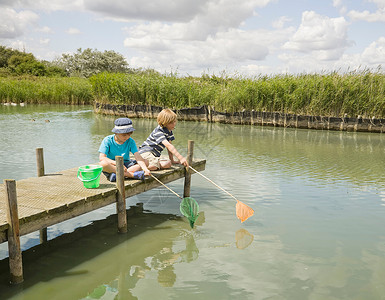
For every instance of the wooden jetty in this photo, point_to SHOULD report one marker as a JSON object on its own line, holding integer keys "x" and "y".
{"x": 33, "y": 204}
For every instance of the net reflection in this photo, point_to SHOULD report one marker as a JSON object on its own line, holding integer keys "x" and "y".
{"x": 243, "y": 238}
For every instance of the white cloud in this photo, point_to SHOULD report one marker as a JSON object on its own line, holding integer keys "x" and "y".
{"x": 339, "y": 4}
{"x": 366, "y": 15}
{"x": 378, "y": 16}
{"x": 222, "y": 50}
{"x": 73, "y": 31}
{"x": 174, "y": 11}
{"x": 374, "y": 54}
{"x": 14, "y": 24}
{"x": 280, "y": 23}
{"x": 324, "y": 37}
{"x": 47, "y": 5}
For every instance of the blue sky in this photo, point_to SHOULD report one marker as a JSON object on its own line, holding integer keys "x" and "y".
{"x": 192, "y": 37}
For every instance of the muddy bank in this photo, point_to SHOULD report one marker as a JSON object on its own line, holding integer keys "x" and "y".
{"x": 208, "y": 114}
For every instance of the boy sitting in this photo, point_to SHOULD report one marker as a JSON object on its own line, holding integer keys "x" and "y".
{"x": 121, "y": 144}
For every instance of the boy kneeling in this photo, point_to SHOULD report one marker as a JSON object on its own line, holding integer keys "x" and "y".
{"x": 160, "y": 138}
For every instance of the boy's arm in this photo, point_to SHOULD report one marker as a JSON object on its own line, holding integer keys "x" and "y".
{"x": 141, "y": 163}
{"x": 171, "y": 149}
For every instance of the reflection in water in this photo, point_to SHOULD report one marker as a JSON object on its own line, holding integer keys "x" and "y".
{"x": 243, "y": 238}
{"x": 162, "y": 262}
{"x": 319, "y": 213}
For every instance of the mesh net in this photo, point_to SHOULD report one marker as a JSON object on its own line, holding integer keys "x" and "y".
{"x": 190, "y": 209}
{"x": 243, "y": 238}
{"x": 243, "y": 211}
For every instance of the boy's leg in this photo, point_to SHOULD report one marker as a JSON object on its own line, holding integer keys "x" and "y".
{"x": 107, "y": 167}
{"x": 165, "y": 163}
{"x": 153, "y": 161}
{"x": 109, "y": 170}
{"x": 134, "y": 170}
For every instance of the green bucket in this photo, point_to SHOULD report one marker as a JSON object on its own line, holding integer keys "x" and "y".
{"x": 90, "y": 175}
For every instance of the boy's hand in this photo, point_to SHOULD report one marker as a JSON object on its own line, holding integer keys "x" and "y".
{"x": 184, "y": 162}
{"x": 147, "y": 172}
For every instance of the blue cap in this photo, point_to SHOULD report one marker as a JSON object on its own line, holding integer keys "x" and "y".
{"x": 123, "y": 125}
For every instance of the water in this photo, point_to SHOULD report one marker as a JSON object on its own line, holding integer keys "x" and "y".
{"x": 317, "y": 232}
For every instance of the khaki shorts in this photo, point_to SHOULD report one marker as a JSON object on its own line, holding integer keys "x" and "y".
{"x": 152, "y": 159}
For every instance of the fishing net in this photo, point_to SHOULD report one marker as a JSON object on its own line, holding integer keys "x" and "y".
{"x": 243, "y": 211}
{"x": 243, "y": 238}
{"x": 190, "y": 209}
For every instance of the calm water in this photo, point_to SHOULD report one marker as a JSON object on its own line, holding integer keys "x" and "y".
{"x": 317, "y": 232}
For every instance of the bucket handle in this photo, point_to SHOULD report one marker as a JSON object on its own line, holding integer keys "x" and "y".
{"x": 88, "y": 180}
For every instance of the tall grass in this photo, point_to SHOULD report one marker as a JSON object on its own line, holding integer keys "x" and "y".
{"x": 332, "y": 94}
{"x": 46, "y": 90}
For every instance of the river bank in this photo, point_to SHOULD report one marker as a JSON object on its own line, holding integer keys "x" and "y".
{"x": 206, "y": 113}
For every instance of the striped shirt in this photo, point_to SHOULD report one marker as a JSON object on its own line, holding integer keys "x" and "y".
{"x": 154, "y": 143}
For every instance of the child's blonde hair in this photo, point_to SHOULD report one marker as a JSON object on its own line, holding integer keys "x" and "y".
{"x": 166, "y": 116}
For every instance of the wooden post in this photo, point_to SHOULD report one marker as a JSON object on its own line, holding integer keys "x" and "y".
{"x": 40, "y": 162}
{"x": 121, "y": 195}
{"x": 15, "y": 258}
{"x": 187, "y": 176}
{"x": 40, "y": 173}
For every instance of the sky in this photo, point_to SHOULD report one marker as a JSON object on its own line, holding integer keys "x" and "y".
{"x": 196, "y": 37}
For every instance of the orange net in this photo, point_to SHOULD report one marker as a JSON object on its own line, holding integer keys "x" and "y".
{"x": 243, "y": 211}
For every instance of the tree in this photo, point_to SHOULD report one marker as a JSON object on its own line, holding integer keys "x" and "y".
{"x": 15, "y": 62}
{"x": 90, "y": 62}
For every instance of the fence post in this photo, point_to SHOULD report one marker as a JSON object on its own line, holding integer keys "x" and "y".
{"x": 40, "y": 173}
{"x": 187, "y": 176}
{"x": 15, "y": 257}
{"x": 121, "y": 195}
{"x": 40, "y": 162}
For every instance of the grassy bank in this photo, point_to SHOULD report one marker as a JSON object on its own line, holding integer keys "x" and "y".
{"x": 46, "y": 90}
{"x": 356, "y": 93}
{"x": 333, "y": 94}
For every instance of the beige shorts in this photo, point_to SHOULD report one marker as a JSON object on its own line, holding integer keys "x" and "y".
{"x": 152, "y": 159}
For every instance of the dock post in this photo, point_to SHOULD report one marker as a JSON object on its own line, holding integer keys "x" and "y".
{"x": 41, "y": 172}
{"x": 187, "y": 176}
{"x": 15, "y": 258}
{"x": 121, "y": 195}
{"x": 40, "y": 162}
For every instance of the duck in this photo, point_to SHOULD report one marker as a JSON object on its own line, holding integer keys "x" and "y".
{"x": 47, "y": 121}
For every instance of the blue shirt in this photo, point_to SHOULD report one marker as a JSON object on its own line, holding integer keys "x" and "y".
{"x": 111, "y": 148}
{"x": 154, "y": 143}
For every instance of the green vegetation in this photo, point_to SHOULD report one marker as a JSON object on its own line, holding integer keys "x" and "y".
{"x": 16, "y": 63}
{"x": 90, "y": 62}
{"x": 46, "y": 90}
{"x": 355, "y": 93}
{"x": 91, "y": 75}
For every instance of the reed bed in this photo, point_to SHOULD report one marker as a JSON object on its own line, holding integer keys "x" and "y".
{"x": 333, "y": 94}
{"x": 46, "y": 90}
{"x": 355, "y": 93}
